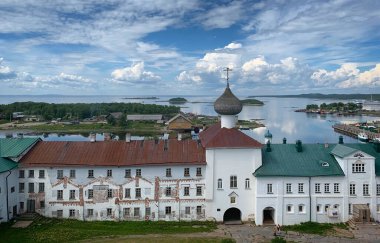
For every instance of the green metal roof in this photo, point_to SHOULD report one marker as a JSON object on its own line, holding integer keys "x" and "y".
{"x": 342, "y": 151}
{"x": 284, "y": 160}
{"x": 6, "y": 164}
{"x": 368, "y": 149}
{"x": 13, "y": 147}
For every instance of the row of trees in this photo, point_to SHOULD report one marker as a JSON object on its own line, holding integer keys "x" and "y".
{"x": 81, "y": 110}
{"x": 335, "y": 107}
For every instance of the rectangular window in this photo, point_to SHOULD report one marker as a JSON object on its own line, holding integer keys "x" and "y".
{"x": 187, "y": 210}
{"x": 90, "y": 212}
{"x": 138, "y": 172}
{"x": 90, "y": 193}
{"x": 327, "y": 188}
{"x": 232, "y": 199}
{"x": 147, "y": 211}
{"x": 336, "y": 187}
{"x": 378, "y": 189}
{"x": 31, "y": 174}
{"x": 127, "y": 211}
{"x": 72, "y": 174}
{"x": 289, "y": 208}
{"x": 59, "y": 174}
{"x": 168, "y": 210}
{"x": 199, "y": 191}
{"x": 59, "y": 213}
{"x": 365, "y": 190}
{"x": 22, "y": 205}
{"x": 21, "y": 174}
{"x": 138, "y": 192}
{"x": 199, "y": 171}
{"x": 186, "y": 191}
{"x": 72, "y": 195}
{"x": 90, "y": 173}
{"x": 199, "y": 210}
{"x": 127, "y": 192}
{"x": 21, "y": 187}
{"x": 12, "y": 189}
{"x": 41, "y": 174}
{"x": 317, "y": 188}
{"x": 288, "y": 188}
{"x": 168, "y": 191}
{"x": 247, "y": 183}
{"x": 269, "y": 188}
{"x": 109, "y": 193}
{"x": 186, "y": 172}
{"x": 300, "y": 188}
{"x": 378, "y": 208}
{"x": 233, "y": 181}
{"x": 301, "y": 208}
{"x": 220, "y": 184}
{"x": 136, "y": 212}
{"x": 127, "y": 173}
{"x": 109, "y": 173}
{"x": 42, "y": 204}
{"x": 72, "y": 213}
{"x": 352, "y": 190}
{"x": 168, "y": 172}
{"x": 41, "y": 187}
{"x": 318, "y": 208}
{"x": 109, "y": 212}
{"x": 31, "y": 187}
{"x": 59, "y": 194}
{"x": 358, "y": 168}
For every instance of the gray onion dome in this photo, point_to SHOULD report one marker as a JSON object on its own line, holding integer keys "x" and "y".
{"x": 228, "y": 103}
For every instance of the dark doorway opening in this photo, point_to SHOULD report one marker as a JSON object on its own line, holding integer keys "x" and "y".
{"x": 268, "y": 215}
{"x": 232, "y": 215}
{"x": 30, "y": 206}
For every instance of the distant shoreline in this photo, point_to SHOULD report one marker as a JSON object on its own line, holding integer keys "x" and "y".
{"x": 326, "y": 96}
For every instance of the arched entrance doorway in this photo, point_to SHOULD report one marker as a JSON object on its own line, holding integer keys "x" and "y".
{"x": 268, "y": 215}
{"x": 232, "y": 215}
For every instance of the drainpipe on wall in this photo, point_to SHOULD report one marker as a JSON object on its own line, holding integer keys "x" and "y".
{"x": 6, "y": 186}
{"x": 309, "y": 198}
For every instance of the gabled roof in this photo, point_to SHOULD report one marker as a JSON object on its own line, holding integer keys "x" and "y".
{"x": 179, "y": 115}
{"x": 14, "y": 147}
{"x": 115, "y": 153}
{"x": 217, "y": 137}
{"x": 342, "y": 151}
{"x": 368, "y": 149}
{"x": 7, "y": 164}
{"x": 284, "y": 160}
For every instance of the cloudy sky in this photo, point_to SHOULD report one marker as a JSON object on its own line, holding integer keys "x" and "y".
{"x": 149, "y": 47}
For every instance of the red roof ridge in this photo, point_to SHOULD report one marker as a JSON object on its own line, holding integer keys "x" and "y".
{"x": 221, "y": 137}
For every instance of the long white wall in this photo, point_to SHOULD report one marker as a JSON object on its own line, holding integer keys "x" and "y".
{"x": 12, "y": 195}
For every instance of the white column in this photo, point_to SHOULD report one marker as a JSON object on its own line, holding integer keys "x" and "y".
{"x": 228, "y": 121}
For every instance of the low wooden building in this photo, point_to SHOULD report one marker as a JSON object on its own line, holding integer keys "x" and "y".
{"x": 179, "y": 123}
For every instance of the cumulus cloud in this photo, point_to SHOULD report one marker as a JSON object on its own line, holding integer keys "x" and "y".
{"x": 189, "y": 77}
{"x": 5, "y": 71}
{"x": 233, "y": 45}
{"x": 134, "y": 73}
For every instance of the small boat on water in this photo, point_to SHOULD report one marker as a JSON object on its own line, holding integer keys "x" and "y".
{"x": 362, "y": 136}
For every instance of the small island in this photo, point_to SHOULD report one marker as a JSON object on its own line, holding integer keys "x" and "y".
{"x": 177, "y": 100}
{"x": 332, "y": 108}
{"x": 252, "y": 102}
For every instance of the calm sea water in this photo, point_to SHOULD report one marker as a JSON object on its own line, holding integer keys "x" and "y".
{"x": 277, "y": 115}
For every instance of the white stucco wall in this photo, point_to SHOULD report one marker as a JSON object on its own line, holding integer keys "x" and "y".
{"x": 12, "y": 196}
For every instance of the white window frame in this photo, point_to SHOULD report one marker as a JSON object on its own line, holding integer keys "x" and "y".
{"x": 247, "y": 183}
{"x": 358, "y": 167}
{"x": 317, "y": 187}
{"x": 327, "y": 187}
{"x": 336, "y": 188}
{"x": 233, "y": 181}
{"x": 288, "y": 188}
{"x": 300, "y": 188}
{"x": 352, "y": 189}
{"x": 270, "y": 188}
{"x": 220, "y": 183}
{"x": 366, "y": 190}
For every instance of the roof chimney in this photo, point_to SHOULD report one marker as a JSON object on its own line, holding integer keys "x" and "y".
{"x": 341, "y": 139}
{"x": 268, "y": 149}
{"x": 299, "y": 146}
{"x": 92, "y": 137}
{"x": 128, "y": 137}
{"x": 284, "y": 141}
{"x": 179, "y": 136}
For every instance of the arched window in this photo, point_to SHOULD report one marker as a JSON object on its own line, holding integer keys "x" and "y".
{"x": 247, "y": 183}
{"x": 220, "y": 184}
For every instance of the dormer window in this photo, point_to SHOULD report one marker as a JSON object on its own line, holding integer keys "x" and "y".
{"x": 358, "y": 167}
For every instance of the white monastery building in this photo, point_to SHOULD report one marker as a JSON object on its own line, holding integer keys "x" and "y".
{"x": 225, "y": 175}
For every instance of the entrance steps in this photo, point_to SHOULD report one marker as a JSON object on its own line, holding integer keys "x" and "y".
{"x": 233, "y": 222}
{"x": 28, "y": 217}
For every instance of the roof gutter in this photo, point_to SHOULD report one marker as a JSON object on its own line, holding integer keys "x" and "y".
{"x": 7, "y": 196}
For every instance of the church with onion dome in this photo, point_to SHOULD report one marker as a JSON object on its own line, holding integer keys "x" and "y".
{"x": 225, "y": 176}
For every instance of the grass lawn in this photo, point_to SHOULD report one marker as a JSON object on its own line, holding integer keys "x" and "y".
{"x": 65, "y": 230}
{"x": 314, "y": 228}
